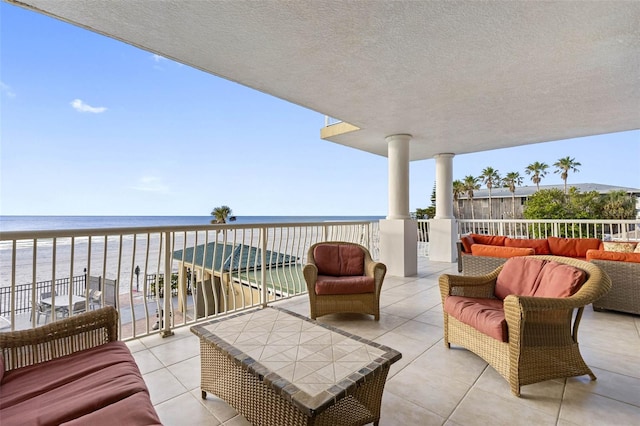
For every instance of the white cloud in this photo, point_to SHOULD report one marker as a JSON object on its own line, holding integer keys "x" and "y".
{"x": 80, "y": 106}
{"x": 151, "y": 184}
{"x": 158, "y": 58}
{"x": 5, "y": 89}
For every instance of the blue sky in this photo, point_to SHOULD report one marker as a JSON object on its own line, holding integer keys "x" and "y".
{"x": 93, "y": 126}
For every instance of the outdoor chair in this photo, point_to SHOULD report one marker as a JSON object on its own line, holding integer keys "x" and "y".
{"x": 523, "y": 317}
{"x": 78, "y": 308}
{"x": 342, "y": 277}
{"x": 44, "y": 309}
{"x": 95, "y": 298}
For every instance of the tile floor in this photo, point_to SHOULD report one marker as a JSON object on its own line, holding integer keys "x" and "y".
{"x": 430, "y": 385}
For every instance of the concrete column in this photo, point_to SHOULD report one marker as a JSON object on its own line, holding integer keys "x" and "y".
{"x": 443, "y": 229}
{"x": 444, "y": 186}
{"x": 398, "y": 232}
{"x": 398, "y": 176}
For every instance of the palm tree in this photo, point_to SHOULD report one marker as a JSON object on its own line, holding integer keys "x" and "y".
{"x": 458, "y": 189}
{"x": 222, "y": 214}
{"x": 537, "y": 171}
{"x": 619, "y": 205}
{"x": 489, "y": 177}
{"x": 471, "y": 184}
{"x": 511, "y": 181}
{"x": 564, "y": 166}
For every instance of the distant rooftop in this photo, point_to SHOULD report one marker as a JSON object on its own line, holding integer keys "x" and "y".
{"x": 526, "y": 191}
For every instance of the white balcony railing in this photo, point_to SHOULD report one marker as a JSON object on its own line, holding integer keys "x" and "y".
{"x": 212, "y": 270}
{"x": 614, "y": 230}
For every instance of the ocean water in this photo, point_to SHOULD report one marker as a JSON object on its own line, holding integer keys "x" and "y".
{"x": 39, "y": 223}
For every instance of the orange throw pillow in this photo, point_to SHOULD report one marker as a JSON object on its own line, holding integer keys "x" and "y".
{"x": 467, "y": 242}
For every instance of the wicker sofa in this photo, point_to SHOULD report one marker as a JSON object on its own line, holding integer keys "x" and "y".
{"x": 480, "y": 254}
{"x": 522, "y": 320}
{"x": 624, "y": 270}
{"x": 342, "y": 277}
{"x": 72, "y": 372}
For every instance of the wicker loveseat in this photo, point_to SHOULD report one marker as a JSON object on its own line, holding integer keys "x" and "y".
{"x": 342, "y": 277}
{"x": 523, "y": 317}
{"x": 72, "y": 372}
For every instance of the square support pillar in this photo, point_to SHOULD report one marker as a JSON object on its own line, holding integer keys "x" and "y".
{"x": 399, "y": 246}
{"x": 443, "y": 234}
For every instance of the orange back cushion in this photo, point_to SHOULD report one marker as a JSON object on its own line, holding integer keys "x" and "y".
{"x": 559, "y": 280}
{"x": 339, "y": 260}
{"x": 519, "y": 276}
{"x": 572, "y": 247}
{"x": 540, "y": 245}
{"x": 491, "y": 240}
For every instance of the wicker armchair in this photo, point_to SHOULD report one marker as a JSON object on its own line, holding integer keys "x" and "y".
{"x": 542, "y": 332}
{"x": 361, "y": 302}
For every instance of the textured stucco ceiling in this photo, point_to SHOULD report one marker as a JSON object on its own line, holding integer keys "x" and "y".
{"x": 458, "y": 76}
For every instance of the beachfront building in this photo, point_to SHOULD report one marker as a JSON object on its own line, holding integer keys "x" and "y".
{"x": 502, "y": 200}
{"x": 408, "y": 81}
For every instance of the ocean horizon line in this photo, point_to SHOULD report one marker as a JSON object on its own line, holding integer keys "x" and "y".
{"x": 10, "y": 223}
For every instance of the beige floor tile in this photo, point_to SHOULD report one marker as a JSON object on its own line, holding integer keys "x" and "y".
{"x": 432, "y": 317}
{"x": 544, "y": 396}
{"x": 409, "y": 348}
{"x": 185, "y": 410}
{"x": 585, "y": 408}
{"x": 428, "y": 334}
{"x": 135, "y": 345}
{"x": 163, "y": 385}
{"x": 602, "y": 358}
{"x": 177, "y": 350}
{"x": 455, "y": 363}
{"x": 216, "y": 406}
{"x": 147, "y": 361}
{"x": 397, "y": 411}
{"x": 405, "y": 309}
{"x": 481, "y": 408}
{"x": 187, "y": 372}
{"x": 610, "y": 385}
{"x": 237, "y": 421}
{"x": 436, "y": 394}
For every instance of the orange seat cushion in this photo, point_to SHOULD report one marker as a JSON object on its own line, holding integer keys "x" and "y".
{"x": 344, "y": 285}
{"x": 339, "y": 259}
{"x": 500, "y": 251}
{"x": 614, "y": 256}
{"x": 485, "y": 315}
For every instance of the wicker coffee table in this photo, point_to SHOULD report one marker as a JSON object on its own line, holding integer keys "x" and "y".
{"x": 276, "y": 367}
